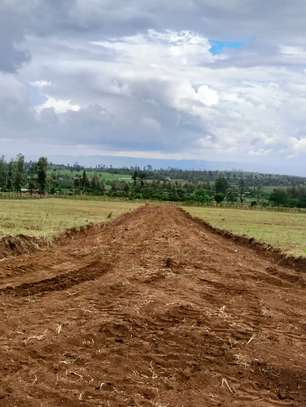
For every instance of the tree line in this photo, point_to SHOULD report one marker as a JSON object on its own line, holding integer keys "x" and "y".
{"x": 18, "y": 175}
{"x": 233, "y": 177}
{"x": 41, "y": 177}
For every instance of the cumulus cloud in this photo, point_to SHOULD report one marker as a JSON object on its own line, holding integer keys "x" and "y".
{"x": 58, "y": 105}
{"x": 133, "y": 78}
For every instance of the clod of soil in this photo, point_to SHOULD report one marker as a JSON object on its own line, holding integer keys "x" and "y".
{"x": 153, "y": 309}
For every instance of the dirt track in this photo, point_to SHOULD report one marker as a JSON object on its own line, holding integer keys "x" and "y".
{"x": 152, "y": 310}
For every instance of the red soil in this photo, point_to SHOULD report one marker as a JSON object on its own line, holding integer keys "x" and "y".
{"x": 153, "y": 309}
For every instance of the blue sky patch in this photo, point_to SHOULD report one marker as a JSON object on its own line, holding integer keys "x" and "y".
{"x": 217, "y": 47}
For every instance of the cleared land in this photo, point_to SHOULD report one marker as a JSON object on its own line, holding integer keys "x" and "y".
{"x": 284, "y": 230}
{"x": 152, "y": 309}
{"x": 48, "y": 217}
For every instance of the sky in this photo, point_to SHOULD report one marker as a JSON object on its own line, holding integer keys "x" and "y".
{"x": 211, "y": 80}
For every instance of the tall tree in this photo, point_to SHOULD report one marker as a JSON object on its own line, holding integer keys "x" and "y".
{"x": 221, "y": 185}
{"x": 135, "y": 176}
{"x": 19, "y": 176}
{"x": 241, "y": 188}
{"x": 42, "y": 168}
{"x": 84, "y": 182}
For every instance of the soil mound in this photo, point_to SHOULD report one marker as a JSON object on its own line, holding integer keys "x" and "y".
{"x": 21, "y": 244}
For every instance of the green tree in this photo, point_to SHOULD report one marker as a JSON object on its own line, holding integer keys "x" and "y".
{"x": 135, "y": 176}
{"x": 200, "y": 195}
{"x": 19, "y": 173}
{"x": 42, "y": 169}
{"x": 142, "y": 175}
{"x": 241, "y": 188}
{"x": 219, "y": 197}
{"x": 232, "y": 194}
{"x": 279, "y": 197}
{"x": 221, "y": 185}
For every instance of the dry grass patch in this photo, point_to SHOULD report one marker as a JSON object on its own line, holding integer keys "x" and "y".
{"x": 48, "y": 217}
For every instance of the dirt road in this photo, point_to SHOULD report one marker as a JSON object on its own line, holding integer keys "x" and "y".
{"x": 151, "y": 310}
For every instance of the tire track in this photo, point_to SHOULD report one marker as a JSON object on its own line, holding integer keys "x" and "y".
{"x": 61, "y": 282}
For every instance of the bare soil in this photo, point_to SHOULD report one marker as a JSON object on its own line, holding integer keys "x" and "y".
{"x": 153, "y": 309}
{"x": 21, "y": 244}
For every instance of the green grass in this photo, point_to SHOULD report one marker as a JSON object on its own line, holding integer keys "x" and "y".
{"x": 285, "y": 230}
{"x": 48, "y": 217}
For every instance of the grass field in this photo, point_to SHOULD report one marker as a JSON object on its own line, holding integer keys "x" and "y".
{"x": 285, "y": 230}
{"x": 48, "y": 217}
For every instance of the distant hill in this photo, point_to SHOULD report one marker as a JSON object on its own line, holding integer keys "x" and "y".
{"x": 294, "y": 168}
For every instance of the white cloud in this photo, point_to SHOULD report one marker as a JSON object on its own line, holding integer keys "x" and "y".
{"x": 59, "y": 105}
